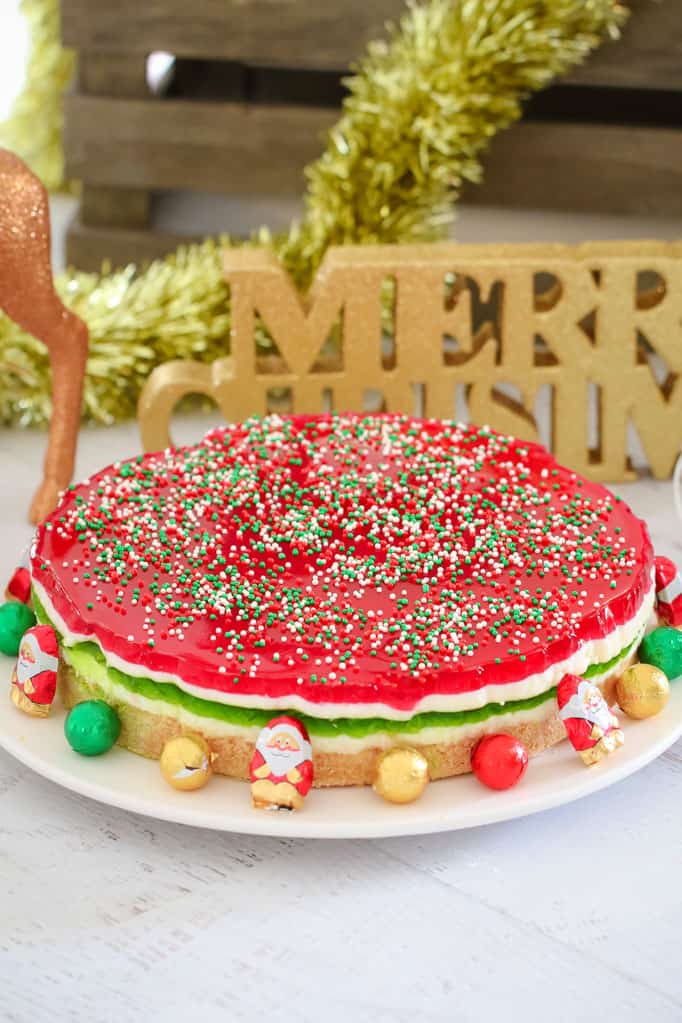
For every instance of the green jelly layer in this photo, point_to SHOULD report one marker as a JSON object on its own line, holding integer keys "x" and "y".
{"x": 90, "y": 663}
{"x": 87, "y": 657}
{"x": 606, "y": 666}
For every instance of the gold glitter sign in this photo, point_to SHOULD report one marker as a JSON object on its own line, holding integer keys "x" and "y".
{"x": 577, "y": 347}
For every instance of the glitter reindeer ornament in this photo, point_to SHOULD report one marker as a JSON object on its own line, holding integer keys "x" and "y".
{"x": 28, "y": 296}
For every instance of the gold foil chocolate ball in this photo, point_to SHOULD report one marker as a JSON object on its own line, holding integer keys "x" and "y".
{"x": 186, "y": 762}
{"x": 402, "y": 774}
{"x": 642, "y": 691}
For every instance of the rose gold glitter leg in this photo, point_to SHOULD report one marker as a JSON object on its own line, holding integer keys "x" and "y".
{"x": 28, "y": 297}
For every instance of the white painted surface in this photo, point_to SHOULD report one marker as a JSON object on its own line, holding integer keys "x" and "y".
{"x": 105, "y": 915}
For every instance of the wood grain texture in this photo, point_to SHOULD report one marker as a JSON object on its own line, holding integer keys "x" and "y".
{"x": 107, "y": 916}
{"x": 610, "y": 168}
{"x": 246, "y": 149}
{"x": 118, "y": 136}
{"x": 108, "y": 73}
{"x": 330, "y": 34}
{"x": 291, "y": 33}
{"x": 211, "y": 147}
{"x": 115, "y": 207}
{"x": 647, "y": 56}
{"x": 87, "y": 247}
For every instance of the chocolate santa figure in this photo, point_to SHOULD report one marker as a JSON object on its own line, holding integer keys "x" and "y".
{"x": 591, "y": 725}
{"x": 282, "y": 766}
{"x": 668, "y": 582}
{"x": 34, "y": 680}
{"x": 19, "y": 586}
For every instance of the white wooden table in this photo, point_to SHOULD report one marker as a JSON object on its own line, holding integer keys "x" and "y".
{"x": 572, "y": 913}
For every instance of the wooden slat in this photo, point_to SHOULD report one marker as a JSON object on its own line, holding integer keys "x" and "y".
{"x": 212, "y": 147}
{"x": 608, "y": 168}
{"x": 333, "y": 33}
{"x": 112, "y": 74}
{"x": 233, "y": 148}
{"x": 88, "y": 247}
{"x": 115, "y": 207}
{"x": 647, "y": 56}
{"x": 292, "y": 33}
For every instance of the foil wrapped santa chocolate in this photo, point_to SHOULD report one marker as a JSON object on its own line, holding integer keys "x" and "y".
{"x": 668, "y": 581}
{"x": 281, "y": 768}
{"x": 592, "y": 727}
{"x": 34, "y": 679}
{"x": 19, "y": 586}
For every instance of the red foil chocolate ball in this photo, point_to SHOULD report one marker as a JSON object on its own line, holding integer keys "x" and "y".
{"x": 499, "y": 761}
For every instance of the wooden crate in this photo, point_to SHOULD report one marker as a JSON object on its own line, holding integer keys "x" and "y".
{"x": 257, "y": 83}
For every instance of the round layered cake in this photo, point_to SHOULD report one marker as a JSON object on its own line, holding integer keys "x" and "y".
{"x": 384, "y": 579}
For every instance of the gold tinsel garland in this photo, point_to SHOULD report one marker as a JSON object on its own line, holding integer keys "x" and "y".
{"x": 423, "y": 105}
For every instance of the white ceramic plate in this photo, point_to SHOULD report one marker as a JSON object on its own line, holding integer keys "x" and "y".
{"x": 122, "y": 779}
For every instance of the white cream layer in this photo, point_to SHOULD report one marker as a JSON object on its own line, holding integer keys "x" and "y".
{"x": 591, "y": 652}
{"x": 212, "y": 728}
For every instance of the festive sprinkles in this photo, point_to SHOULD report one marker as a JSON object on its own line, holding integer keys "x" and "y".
{"x": 345, "y": 559}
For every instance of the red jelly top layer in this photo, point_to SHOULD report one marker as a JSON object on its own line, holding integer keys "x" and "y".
{"x": 344, "y": 559}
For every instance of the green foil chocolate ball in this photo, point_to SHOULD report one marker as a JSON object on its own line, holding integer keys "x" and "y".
{"x": 15, "y": 619}
{"x": 663, "y": 649}
{"x": 92, "y": 728}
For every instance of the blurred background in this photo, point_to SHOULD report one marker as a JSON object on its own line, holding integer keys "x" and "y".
{"x": 192, "y": 120}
